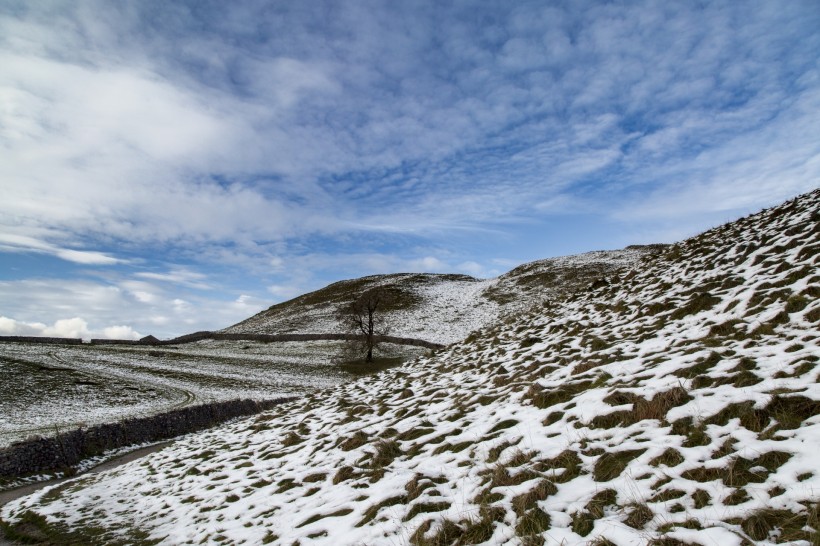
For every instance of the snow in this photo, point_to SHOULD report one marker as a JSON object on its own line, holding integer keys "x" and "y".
{"x": 315, "y": 470}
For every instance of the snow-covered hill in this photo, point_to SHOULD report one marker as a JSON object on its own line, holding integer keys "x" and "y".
{"x": 678, "y": 405}
{"x": 446, "y": 308}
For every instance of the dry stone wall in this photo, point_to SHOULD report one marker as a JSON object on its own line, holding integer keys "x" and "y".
{"x": 199, "y": 336}
{"x": 40, "y": 455}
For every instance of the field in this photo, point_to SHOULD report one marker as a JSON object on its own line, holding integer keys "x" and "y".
{"x": 50, "y": 388}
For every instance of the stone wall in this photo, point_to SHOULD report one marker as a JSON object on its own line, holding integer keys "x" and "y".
{"x": 267, "y": 338}
{"x": 199, "y": 336}
{"x": 50, "y": 340}
{"x": 40, "y": 455}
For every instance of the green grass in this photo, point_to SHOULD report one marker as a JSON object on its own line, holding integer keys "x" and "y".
{"x": 359, "y": 367}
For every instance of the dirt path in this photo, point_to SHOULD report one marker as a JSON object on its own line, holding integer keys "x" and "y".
{"x": 14, "y": 494}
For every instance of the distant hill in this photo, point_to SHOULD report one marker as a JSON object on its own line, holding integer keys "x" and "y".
{"x": 444, "y": 308}
{"x": 677, "y": 405}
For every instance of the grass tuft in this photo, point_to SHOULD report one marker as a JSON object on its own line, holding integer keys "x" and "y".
{"x": 638, "y": 515}
{"x": 503, "y": 425}
{"x": 547, "y": 397}
{"x": 670, "y": 457}
{"x": 373, "y": 511}
{"x": 343, "y": 474}
{"x": 562, "y": 468}
{"x": 611, "y": 465}
{"x": 788, "y": 526}
{"x": 386, "y": 451}
{"x": 526, "y": 501}
{"x": 354, "y": 442}
{"x": 317, "y": 517}
{"x": 426, "y": 508}
{"x": 535, "y": 521}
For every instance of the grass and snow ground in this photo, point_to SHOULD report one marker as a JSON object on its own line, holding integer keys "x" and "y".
{"x": 59, "y": 387}
{"x": 677, "y": 406}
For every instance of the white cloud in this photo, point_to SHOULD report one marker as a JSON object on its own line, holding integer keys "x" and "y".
{"x": 11, "y": 327}
{"x": 475, "y": 269}
{"x": 144, "y": 297}
{"x": 427, "y": 264}
{"x": 121, "y": 332}
{"x": 277, "y": 263}
{"x": 72, "y": 327}
{"x": 284, "y": 292}
{"x": 11, "y": 242}
{"x": 247, "y": 305}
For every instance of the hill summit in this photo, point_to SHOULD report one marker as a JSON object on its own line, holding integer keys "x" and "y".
{"x": 446, "y": 308}
{"x": 677, "y": 405}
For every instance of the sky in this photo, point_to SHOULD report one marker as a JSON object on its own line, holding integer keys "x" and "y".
{"x": 171, "y": 166}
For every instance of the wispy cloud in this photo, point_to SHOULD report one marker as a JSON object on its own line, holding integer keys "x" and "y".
{"x": 21, "y": 243}
{"x": 185, "y": 277}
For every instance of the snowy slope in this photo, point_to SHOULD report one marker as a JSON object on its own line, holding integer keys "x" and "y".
{"x": 676, "y": 406}
{"x": 446, "y": 308}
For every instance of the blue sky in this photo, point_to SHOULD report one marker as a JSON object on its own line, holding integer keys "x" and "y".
{"x": 168, "y": 167}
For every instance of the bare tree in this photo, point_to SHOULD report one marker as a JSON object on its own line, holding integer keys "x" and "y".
{"x": 364, "y": 317}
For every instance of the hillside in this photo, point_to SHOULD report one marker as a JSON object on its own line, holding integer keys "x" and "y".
{"x": 446, "y": 308}
{"x": 678, "y": 405}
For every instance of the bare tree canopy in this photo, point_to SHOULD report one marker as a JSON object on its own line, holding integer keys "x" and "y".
{"x": 365, "y": 317}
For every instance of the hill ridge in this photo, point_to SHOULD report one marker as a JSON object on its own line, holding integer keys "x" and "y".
{"x": 445, "y": 307}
